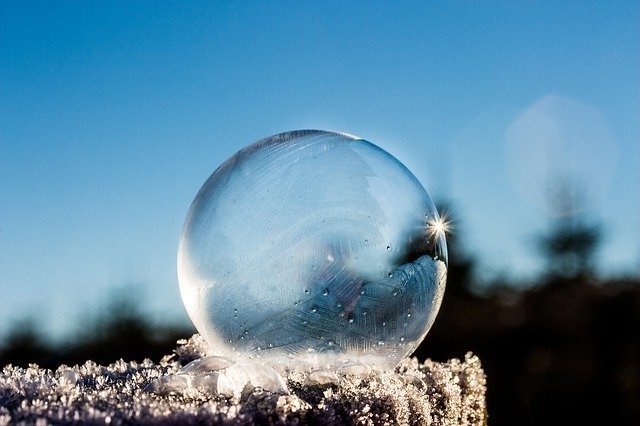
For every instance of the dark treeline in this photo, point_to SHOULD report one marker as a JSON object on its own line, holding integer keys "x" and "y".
{"x": 565, "y": 349}
{"x": 562, "y": 350}
{"x": 121, "y": 329}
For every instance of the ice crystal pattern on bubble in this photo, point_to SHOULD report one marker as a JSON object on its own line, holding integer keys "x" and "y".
{"x": 313, "y": 246}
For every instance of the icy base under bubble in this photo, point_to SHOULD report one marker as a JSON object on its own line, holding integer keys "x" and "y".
{"x": 189, "y": 388}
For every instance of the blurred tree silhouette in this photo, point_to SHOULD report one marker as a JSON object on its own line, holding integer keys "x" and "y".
{"x": 120, "y": 329}
{"x": 570, "y": 246}
{"x": 123, "y": 330}
{"x": 25, "y": 343}
{"x": 564, "y": 352}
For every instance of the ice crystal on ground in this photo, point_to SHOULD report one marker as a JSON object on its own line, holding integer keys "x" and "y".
{"x": 213, "y": 390}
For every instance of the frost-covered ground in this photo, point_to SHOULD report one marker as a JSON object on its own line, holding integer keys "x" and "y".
{"x": 188, "y": 388}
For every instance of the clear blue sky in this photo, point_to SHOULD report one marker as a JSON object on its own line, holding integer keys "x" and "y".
{"x": 113, "y": 114}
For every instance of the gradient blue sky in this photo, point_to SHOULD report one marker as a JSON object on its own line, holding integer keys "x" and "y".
{"x": 113, "y": 114}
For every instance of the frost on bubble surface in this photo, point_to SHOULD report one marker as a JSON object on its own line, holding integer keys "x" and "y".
{"x": 313, "y": 247}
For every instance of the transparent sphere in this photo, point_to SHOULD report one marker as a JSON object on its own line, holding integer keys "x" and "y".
{"x": 313, "y": 247}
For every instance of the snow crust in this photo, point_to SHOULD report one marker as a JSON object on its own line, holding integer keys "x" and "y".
{"x": 190, "y": 387}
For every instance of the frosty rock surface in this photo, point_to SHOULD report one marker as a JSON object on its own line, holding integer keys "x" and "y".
{"x": 448, "y": 393}
{"x": 311, "y": 247}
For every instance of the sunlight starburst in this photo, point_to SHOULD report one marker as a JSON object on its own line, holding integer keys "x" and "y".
{"x": 438, "y": 227}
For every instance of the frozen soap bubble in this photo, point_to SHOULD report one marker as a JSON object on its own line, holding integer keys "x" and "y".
{"x": 313, "y": 247}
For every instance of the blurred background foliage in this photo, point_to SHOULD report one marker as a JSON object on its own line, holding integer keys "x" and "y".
{"x": 563, "y": 348}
